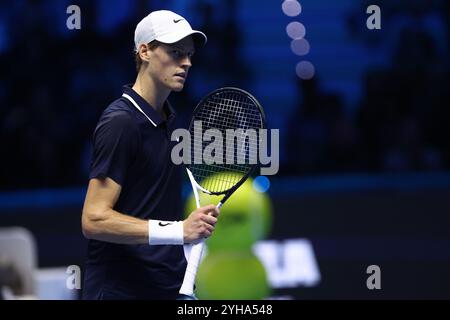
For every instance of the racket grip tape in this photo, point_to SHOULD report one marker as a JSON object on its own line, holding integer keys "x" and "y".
{"x": 187, "y": 288}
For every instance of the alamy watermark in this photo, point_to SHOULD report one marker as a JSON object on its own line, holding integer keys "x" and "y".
{"x": 74, "y": 20}
{"x": 239, "y": 146}
{"x": 374, "y": 280}
{"x": 73, "y": 281}
{"x": 374, "y": 20}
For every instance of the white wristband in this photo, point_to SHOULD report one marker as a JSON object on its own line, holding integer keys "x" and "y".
{"x": 165, "y": 232}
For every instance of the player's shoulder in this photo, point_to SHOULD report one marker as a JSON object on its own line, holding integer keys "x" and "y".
{"x": 119, "y": 110}
{"x": 118, "y": 114}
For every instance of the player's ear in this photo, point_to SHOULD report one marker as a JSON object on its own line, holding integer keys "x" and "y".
{"x": 144, "y": 52}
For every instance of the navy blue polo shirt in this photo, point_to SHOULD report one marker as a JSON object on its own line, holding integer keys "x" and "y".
{"x": 133, "y": 148}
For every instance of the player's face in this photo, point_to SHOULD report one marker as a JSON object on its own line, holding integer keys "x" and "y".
{"x": 170, "y": 63}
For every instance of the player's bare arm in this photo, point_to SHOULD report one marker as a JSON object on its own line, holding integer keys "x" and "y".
{"x": 101, "y": 222}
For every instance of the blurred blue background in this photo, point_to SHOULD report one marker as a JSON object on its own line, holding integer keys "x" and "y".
{"x": 365, "y": 148}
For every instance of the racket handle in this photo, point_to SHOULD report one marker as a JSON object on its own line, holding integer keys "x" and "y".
{"x": 187, "y": 288}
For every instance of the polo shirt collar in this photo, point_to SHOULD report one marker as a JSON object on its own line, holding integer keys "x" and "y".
{"x": 143, "y": 106}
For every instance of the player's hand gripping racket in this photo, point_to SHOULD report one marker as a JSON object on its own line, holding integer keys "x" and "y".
{"x": 230, "y": 111}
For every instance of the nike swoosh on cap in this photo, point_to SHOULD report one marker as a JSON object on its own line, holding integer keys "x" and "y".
{"x": 176, "y": 21}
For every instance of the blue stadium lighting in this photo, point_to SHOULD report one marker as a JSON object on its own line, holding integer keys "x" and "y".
{"x": 291, "y": 8}
{"x": 300, "y": 47}
{"x": 261, "y": 184}
{"x": 305, "y": 70}
{"x": 295, "y": 30}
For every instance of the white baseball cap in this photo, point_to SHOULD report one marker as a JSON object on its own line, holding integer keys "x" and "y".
{"x": 166, "y": 27}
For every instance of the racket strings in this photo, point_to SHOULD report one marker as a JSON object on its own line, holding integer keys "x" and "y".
{"x": 224, "y": 111}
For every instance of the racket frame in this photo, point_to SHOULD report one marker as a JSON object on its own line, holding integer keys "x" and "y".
{"x": 187, "y": 288}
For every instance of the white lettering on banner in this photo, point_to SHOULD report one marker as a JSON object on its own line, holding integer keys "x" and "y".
{"x": 290, "y": 263}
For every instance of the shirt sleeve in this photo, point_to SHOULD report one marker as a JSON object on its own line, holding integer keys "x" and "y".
{"x": 115, "y": 144}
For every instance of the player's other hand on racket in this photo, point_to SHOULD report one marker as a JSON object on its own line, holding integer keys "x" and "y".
{"x": 200, "y": 223}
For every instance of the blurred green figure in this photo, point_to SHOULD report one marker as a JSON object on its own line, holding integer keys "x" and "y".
{"x": 232, "y": 275}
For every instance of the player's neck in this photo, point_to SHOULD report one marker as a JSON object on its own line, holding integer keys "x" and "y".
{"x": 148, "y": 90}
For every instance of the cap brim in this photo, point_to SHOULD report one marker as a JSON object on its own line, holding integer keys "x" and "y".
{"x": 199, "y": 37}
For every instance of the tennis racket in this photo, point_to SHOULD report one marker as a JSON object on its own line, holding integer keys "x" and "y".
{"x": 226, "y": 110}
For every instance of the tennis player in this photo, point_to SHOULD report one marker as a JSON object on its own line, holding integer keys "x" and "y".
{"x": 132, "y": 213}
